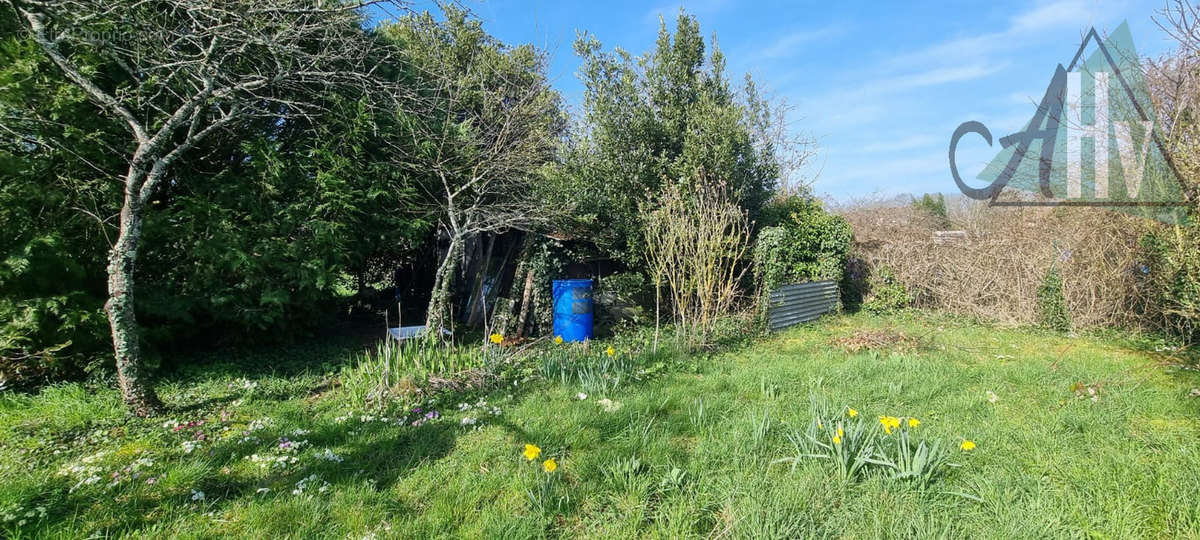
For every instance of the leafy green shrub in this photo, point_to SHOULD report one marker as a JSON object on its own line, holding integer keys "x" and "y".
{"x": 1172, "y": 273}
{"x": 801, "y": 242}
{"x": 50, "y": 321}
{"x": 887, "y": 293}
{"x": 54, "y": 191}
{"x": 1051, "y": 303}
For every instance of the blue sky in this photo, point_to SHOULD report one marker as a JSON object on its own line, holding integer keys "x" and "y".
{"x": 880, "y": 87}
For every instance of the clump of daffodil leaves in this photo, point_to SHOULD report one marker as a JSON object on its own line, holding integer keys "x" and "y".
{"x": 891, "y": 446}
{"x": 545, "y": 496}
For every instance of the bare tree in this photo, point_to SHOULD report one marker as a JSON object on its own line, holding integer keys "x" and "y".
{"x": 1174, "y": 83}
{"x": 773, "y": 135}
{"x": 695, "y": 241}
{"x": 488, "y": 122}
{"x": 176, "y": 71}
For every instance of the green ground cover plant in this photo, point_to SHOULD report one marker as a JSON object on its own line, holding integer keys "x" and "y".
{"x": 271, "y": 444}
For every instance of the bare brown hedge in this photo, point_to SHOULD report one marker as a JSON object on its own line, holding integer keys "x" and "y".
{"x": 994, "y": 273}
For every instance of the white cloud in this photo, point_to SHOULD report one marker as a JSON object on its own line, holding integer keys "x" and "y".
{"x": 1073, "y": 14}
{"x": 869, "y": 150}
{"x": 932, "y": 77}
{"x": 878, "y": 97}
{"x": 788, "y": 45}
{"x": 1053, "y": 15}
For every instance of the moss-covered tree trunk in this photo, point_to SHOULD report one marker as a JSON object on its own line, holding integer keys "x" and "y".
{"x": 136, "y": 390}
{"x": 439, "y": 300}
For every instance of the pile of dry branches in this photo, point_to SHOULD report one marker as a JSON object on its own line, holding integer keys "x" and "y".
{"x": 876, "y": 340}
{"x": 995, "y": 272}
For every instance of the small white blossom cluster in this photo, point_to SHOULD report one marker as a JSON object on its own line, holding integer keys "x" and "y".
{"x": 291, "y": 446}
{"x": 273, "y": 461}
{"x": 85, "y": 472}
{"x": 88, "y": 471}
{"x": 308, "y": 482}
{"x": 242, "y": 383}
{"x": 366, "y": 419}
{"x": 328, "y": 455}
{"x": 254, "y": 426}
{"x": 373, "y": 535}
{"x": 15, "y": 513}
{"x": 476, "y": 412}
{"x": 134, "y": 471}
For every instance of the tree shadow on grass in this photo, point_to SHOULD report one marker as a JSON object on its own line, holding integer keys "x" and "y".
{"x": 372, "y": 453}
{"x": 317, "y": 355}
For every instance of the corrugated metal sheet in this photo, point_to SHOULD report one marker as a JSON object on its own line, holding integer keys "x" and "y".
{"x": 800, "y": 302}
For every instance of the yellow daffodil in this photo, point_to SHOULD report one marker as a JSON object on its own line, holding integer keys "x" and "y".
{"x": 852, "y": 413}
{"x": 913, "y": 422}
{"x": 558, "y": 340}
{"x": 496, "y": 338}
{"x": 889, "y": 423}
{"x": 967, "y": 446}
{"x": 532, "y": 452}
{"x": 837, "y": 439}
{"x": 610, "y": 351}
{"x": 549, "y": 465}
{"x": 840, "y": 433}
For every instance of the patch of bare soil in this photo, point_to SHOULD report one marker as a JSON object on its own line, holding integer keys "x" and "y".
{"x": 876, "y": 340}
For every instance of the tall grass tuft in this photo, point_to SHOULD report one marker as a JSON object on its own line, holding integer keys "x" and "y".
{"x": 391, "y": 371}
{"x": 595, "y": 372}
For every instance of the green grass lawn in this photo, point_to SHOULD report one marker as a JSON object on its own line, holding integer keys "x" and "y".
{"x": 689, "y": 453}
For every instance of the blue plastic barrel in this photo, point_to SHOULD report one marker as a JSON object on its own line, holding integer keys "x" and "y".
{"x": 572, "y": 309}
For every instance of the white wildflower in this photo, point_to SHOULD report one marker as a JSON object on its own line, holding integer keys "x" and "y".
{"x": 328, "y": 455}
{"x": 309, "y": 481}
